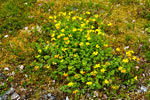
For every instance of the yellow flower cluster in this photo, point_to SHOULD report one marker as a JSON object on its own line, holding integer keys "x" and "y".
{"x": 122, "y": 70}
{"x": 97, "y": 66}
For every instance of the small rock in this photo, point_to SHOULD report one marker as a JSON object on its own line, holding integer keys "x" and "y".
{"x": 2, "y": 76}
{"x": 133, "y": 21}
{"x": 96, "y": 93}
{"x": 105, "y": 96}
{"x": 14, "y": 96}
{"x": 6, "y": 68}
{"x": 10, "y": 91}
{"x": 127, "y": 47}
{"x": 26, "y": 28}
{"x": 4, "y": 97}
{"x": 88, "y": 95}
{"x": 67, "y": 98}
{"x": 45, "y": 96}
{"x": 1, "y": 98}
{"x": 21, "y": 67}
{"x": 143, "y": 89}
{"x": 6, "y": 36}
{"x": 52, "y": 97}
{"x": 49, "y": 94}
{"x": 23, "y": 97}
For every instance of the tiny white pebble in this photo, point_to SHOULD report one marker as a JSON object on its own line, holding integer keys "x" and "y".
{"x": 6, "y": 36}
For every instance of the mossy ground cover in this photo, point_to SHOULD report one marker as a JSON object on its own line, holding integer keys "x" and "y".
{"x": 129, "y": 28}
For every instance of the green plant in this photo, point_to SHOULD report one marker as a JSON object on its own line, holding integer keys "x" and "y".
{"x": 79, "y": 55}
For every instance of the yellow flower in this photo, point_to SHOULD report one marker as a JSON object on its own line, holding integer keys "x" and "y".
{"x": 81, "y": 44}
{"x": 93, "y": 20}
{"x": 97, "y": 66}
{"x": 70, "y": 35}
{"x": 48, "y": 67}
{"x": 50, "y": 17}
{"x": 125, "y": 60}
{"x": 118, "y": 49}
{"x": 74, "y": 29}
{"x": 82, "y": 72}
{"x": 88, "y": 38}
{"x": 88, "y": 12}
{"x": 80, "y": 18}
{"x": 80, "y": 30}
{"x": 62, "y": 60}
{"x": 75, "y": 92}
{"x": 74, "y": 18}
{"x": 135, "y": 77}
{"x": 82, "y": 25}
{"x": 66, "y": 38}
{"x": 123, "y": 71}
{"x": 36, "y": 67}
{"x": 103, "y": 70}
{"x": 94, "y": 73}
{"x": 57, "y": 25}
{"x": 53, "y": 39}
{"x": 70, "y": 84}
{"x": 89, "y": 83}
{"x": 62, "y": 30}
{"x": 67, "y": 42}
{"x": 56, "y": 56}
{"x": 110, "y": 24}
{"x": 95, "y": 53}
{"x": 75, "y": 55}
{"x": 134, "y": 57}
{"x": 115, "y": 87}
{"x": 106, "y": 81}
{"x": 87, "y": 43}
{"x": 106, "y": 45}
{"x": 65, "y": 74}
{"x": 40, "y": 51}
{"x": 64, "y": 49}
{"x": 120, "y": 68}
{"x": 97, "y": 46}
{"x": 96, "y": 16}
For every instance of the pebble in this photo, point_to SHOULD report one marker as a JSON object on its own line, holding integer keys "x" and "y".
{"x": 67, "y": 98}
{"x": 45, "y": 96}
{"x": 1, "y": 98}
{"x": 127, "y": 47}
{"x": 49, "y": 94}
{"x": 6, "y": 36}
{"x": 96, "y": 93}
{"x": 2, "y": 75}
{"x": 6, "y": 68}
{"x": 26, "y": 28}
{"x": 14, "y": 96}
{"x": 52, "y": 97}
{"x": 21, "y": 67}
{"x": 10, "y": 91}
{"x": 143, "y": 89}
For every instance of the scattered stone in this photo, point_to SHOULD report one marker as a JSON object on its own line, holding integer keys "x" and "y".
{"x": 127, "y": 47}
{"x": 14, "y": 96}
{"x": 143, "y": 89}
{"x": 1, "y": 98}
{"x": 6, "y": 68}
{"x": 67, "y": 98}
{"x": 52, "y": 97}
{"x": 2, "y": 76}
{"x": 105, "y": 96}
{"x": 45, "y": 97}
{"x": 49, "y": 94}
{"x": 10, "y": 91}
{"x": 23, "y": 97}
{"x": 96, "y": 93}
{"x": 88, "y": 95}
{"x": 6, "y": 36}
{"x": 133, "y": 21}
{"x": 26, "y": 28}
{"x": 4, "y": 97}
{"x": 21, "y": 67}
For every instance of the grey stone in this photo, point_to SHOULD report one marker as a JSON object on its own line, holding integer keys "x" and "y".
{"x": 67, "y": 98}
{"x": 143, "y": 89}
{"x": 6, "y": 68}
{"x": 49, "y": 94}
{"x": 10, "y": 91}
{"x": 2, "y": 76}
{"x": 45, "y": 96}
{"x": 1, "y": 98}
{"x": 96, "y": 93}
{"x": 23, "y": 97}
{"x": 14, "y": 96}
{"x": 52, "y": 97}
{"x": 4, "y": 97}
